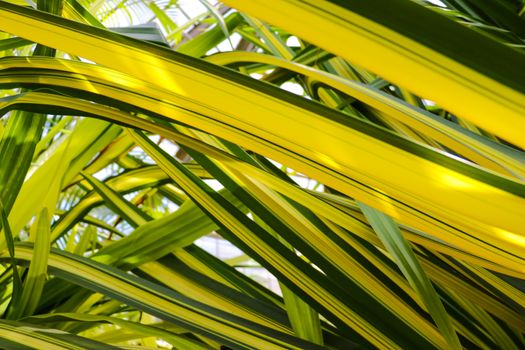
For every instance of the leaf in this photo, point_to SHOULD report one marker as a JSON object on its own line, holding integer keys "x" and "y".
{"x": 219, "y": 18}
{"x": 18, "y": 142}
{"x": 474, "y": 250}
{"x": 343, "y": 176}
{"x": 17, "y": 283}
{"x": 133, "y": 215}
{"x": 13, "y": 43}
{"x": 36, "y": 275}
{"x": 164, "y": 303}
{"x": 178, "y": 341}
{"x": 402, "y": 253}
{"x": 203, "y": 43}
{"x": 447, "y": 174}
{"x": 344, "y": 311}
{"x": 17, "y": 335}
{"x": 412, "y": 53}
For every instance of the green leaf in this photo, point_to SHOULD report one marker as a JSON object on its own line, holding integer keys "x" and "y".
{"x": 13, "y": 43}
{"x": 18, "y": 335}
{"x": 36, "y": 275}
{"x": 16, "y": 147}
{"x": 203, "y": 43}
{"x": 177, "y": 341}
{"x": 402, "y": 253}
{"x": 164, "y": 303}
{"x": 219, "y": 18}
{"x": 133, "y": 215}
{"x": 17, "y": 283}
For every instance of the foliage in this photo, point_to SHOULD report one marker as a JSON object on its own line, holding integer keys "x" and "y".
{"x": 385, "y": 194}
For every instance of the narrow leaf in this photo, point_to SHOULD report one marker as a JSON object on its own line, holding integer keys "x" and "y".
{"x": 36, "y": 276}
{"x": 400, "y": 249}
